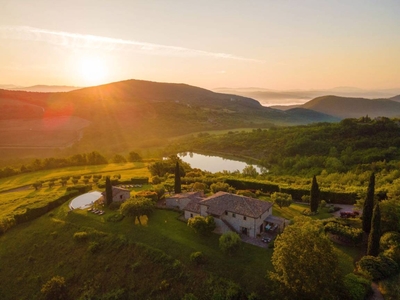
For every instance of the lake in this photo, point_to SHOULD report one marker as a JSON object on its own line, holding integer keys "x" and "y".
{"x": 214, "y": 163}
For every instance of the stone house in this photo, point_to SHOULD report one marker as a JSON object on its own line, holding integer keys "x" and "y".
{"x": 236, "y": 213}
{"x": 180, "y": 201}
{"x": 118, "y": 194}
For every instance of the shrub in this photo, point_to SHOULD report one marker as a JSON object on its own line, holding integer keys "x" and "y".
{"x": 347, "y": 233}
{"x": 148, "y": 194}
{"x": 115, "y": 205}
{"x": 197, "y": 258}
{"x": 164, "y": 285}
{"x": 115, "y": 218}
{"x": 389, "y": 240}
{"x": 202, "y": 225}
{"x": 156, "y": 180}
{"x": 357, "y": 288}
{"x": 379, "y": 268}
{"x": 189, "y": 296}
{"x": 229, "y": 242}
{"x": 94, "y": 247}
{"x": 55, "y": 288}
{"x": 322, "y": 204}
{"x": 81, "y": 236}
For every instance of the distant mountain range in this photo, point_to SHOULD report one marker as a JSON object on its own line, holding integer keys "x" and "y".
{"x": 281, "y": 98}
{"x": 127, "y": 115}
{"x": 40, "y": 88}
{"x": 346, "y": 107}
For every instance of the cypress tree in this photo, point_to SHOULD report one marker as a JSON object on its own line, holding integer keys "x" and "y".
{"x": 314, "y": 195}
{"x": 375, "y": 234}
{"x": 178, "y": 188}
{"x": 108, "y": 191}
{"x": 368, "y": 205}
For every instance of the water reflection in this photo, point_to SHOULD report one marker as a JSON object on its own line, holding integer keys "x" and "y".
{"x": 214, "y": 163}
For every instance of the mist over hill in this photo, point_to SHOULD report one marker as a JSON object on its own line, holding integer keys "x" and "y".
{"x": 281, "y": 98}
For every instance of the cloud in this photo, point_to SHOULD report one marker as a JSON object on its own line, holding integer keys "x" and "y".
{"x": 76, "y": 40}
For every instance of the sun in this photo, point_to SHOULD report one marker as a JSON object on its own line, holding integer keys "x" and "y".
{"x": 93, "y": 70}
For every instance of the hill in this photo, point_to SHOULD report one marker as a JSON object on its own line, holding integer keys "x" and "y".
{"x": 119, "y": 116}
{"x": 345, "y": 107}
{"x": 44, "y": 88}
{"x": 395, "y": 98}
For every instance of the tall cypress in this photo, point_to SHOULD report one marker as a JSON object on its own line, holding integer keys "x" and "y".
{"x": 108, "y": 191}
{"x": 375, "y": 234}
{"x": 178, "y": 188}
{"x": 314, "y": 195}
{"x": 368, "y": 205}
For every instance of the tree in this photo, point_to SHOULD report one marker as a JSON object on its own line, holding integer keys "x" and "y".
{"x": 282, "y": 199}
{"x": 118, "y": 159}
{"x": 55, "y": 288}
{"x": 137, "y": 207}
{"x": 219, "y": 186}
{"x": 375, "y": 234}
{"x": 202, "y": 225}
{"x": 133, "y": 156}
{"x": 177, "y": 186}
{"x": 37, "y": 185}
{"x": 250, "y": 171}
{"x": 368, "y": 205}
{"x": 109, "y": 197}
{"x": 230, "y": 242}
{"x": 314, "y": 195}
{"x": 305, "y": 261}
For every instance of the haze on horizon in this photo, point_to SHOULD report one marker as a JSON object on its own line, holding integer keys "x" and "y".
{"x": 268, "y": 44}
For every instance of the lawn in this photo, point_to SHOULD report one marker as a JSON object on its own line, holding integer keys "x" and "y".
{"x": 165, "y": 232}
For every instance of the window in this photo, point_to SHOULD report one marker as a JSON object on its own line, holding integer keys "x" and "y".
{"x": 120, "y": 196}
{"x": 226, "y": 213}
{"x": 191, "y": 215}
{"x": 244, "y": 217}
{"x": 233, "y": 215}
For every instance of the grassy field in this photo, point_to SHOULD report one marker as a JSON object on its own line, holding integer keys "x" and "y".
{"x": 33, "y": 252}
{"x": 127, "y": 171}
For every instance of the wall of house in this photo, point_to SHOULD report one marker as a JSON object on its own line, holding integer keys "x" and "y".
{"x": 189, "y": 214}
{"x": 125, "y": 196}
{"x": 177, "y": 202}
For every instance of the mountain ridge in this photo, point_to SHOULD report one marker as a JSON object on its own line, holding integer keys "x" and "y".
{"x": 349, "y": 107}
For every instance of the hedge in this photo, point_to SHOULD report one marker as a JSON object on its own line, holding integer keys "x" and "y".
{"x": 328, "y": 196}
{"x": 140, "y": 180}
{"x": 32, "y": 213}
{"x": 379, "y": 268}
{"x": 242, "y": 184}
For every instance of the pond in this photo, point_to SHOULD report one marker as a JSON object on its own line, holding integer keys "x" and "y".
{"x": 214, "y": 163}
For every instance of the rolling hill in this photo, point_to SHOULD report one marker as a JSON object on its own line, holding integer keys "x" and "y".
{"x": 119, "y": 116}
{"x": 346, "y": 107}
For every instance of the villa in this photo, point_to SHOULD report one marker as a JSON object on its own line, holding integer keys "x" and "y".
{"x": 244, "y": 215}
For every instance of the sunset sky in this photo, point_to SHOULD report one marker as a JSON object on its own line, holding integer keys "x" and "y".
{"x": 298, "y": 44}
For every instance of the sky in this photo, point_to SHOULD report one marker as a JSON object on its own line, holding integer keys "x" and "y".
{"x": 297, "y": 44}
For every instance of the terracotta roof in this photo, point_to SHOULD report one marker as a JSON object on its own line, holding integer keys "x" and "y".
{"x": 189, "y": 195}
{"x": 194, "y": 205}
{"x": 221, "y": 202}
